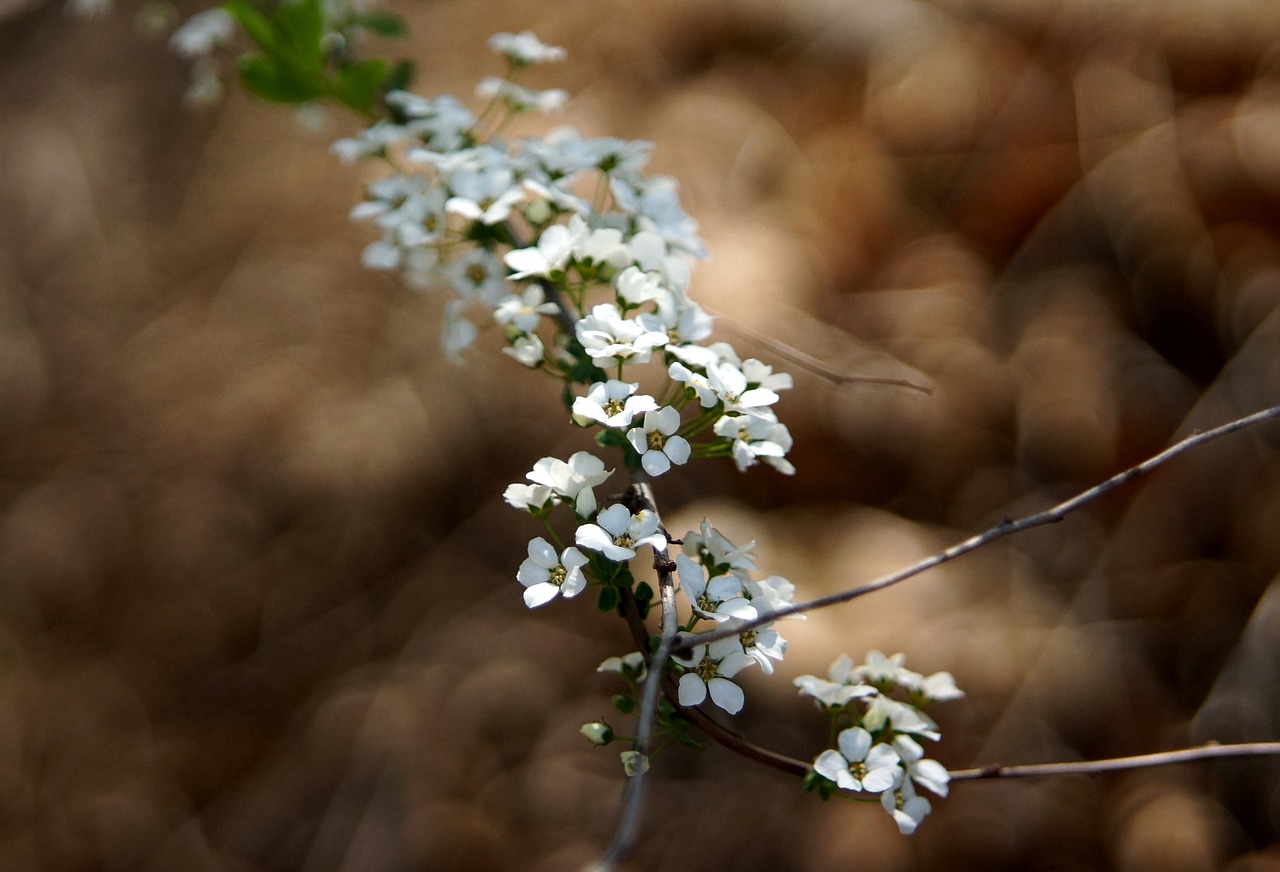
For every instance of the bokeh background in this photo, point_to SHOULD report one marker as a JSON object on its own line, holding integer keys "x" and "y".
{"x": 257, "y": 604}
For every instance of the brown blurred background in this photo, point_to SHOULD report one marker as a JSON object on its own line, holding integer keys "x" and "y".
{"x": 257, "y": 605}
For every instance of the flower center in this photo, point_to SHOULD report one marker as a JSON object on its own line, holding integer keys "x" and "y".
{"x": 558, "y": 575}
{"x": 748, "y": 638}
{"x": 624, "y": 541}
{"x": 431, "y": 222}
{"x": 706, "y": 670}
{"x": 614, "y": 407}
{"x": 476, "y": 274}
{"x": 706, "y": 603}
{"x": 655, "y": 440}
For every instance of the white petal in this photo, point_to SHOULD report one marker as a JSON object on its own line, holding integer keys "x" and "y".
{"x": 654, "y": 462}
{"x": 693, "y": 690}
{"x": 854, "y": 743}
{"x": 665, "y": 420}
{"x": 540, "y": 594}
{"x": 831, "y": 765}
{"x": 726, "y": 694}
{"x": 573, "y": 584}
{"x": 678, "y": 449}
{"x": 541, "y": 553}
{"x": 591, "y": 536}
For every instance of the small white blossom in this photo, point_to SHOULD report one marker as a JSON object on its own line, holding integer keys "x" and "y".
{"x": 939, "y": 687}
{"x": 929, "y": 774}
{"x": 712, "y": 548}
{"x": 755, "y": 437}
{"x": 526, "y": 496}
{"x": 525, "y": 311}
{"x": 763, "y": 645}
{"x": 523, "y": 49}
{"x": 527, "y": 349}
{"x": 710, "y": 668}
{"x": 457, "y": 333}
{"x": 902, "y": 718}
{"x": 657, "y": 443}
{"x": 551, "y": 252}
{"x": 629, "y": 666}
{"x": 859, "y": 765}
{"x": 203, "y": 32}
{"x": 612, "y": 403}
{"x": 520, "y": 98}
{"x": 717, "y": 599}
{"x": 572, "y": 482}
{"x": 610, "y": 338}
{"x": 907, "y": 808}
{"x": 617, "y": 533}
{"x": 544, "y": 575}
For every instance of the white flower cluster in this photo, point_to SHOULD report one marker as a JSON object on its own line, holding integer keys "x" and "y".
{"x": 716, "y": 578}
{"x": 879, "y": 751}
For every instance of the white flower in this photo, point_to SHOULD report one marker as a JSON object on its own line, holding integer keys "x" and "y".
{"x": 902, "y": 718}
{"x": 550, "y": 254}
{"x": 528, "y": 349}
{"x": 772, "y": 594}
{"x": 203, "y": 32}
{"x": 457, "y": 332}
{"x": 629, "y": 666}
{"x": 710, "y": 668}
{"x": 907, "y": 808}
{"x": 831, "y": 694}
{"x": 544, "y": 575}
{"x": 879, "y": 669}
{"x": 711, "y": 547}
{"x": 718, "y": 599}
{"x": 526, "y": 496}
{"x": 520, "y": 98}
{"x": 479, "y": 274}
{"x": 603, "y": 247}
{"x": 610, "y": 338}
{"x": 612, "y": 403}
{"x": 524, "y": 48}
{"x": 756, "y": 437}
{"x": 656, "y": 442}
{"x": 635, "y": 288}
{"x": 572, "y": 482}
{"x": 929, "y": 774}
{"x": 940, "y": 686}
{"x": 617, "y": 533}
{"x": 859, "y": 765}
{"x": 525, "y": 310}
{"x": 763, "y": 645}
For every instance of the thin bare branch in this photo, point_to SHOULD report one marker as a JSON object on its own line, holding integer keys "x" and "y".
{"x": 1005, "y": 528}
{"x": 815, "y": 366}
{"x": 1208, "y": 751}
{"x": 640, "y": 495}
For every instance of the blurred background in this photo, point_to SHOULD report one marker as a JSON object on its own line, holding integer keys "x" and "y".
{"x": 257, "y": 596}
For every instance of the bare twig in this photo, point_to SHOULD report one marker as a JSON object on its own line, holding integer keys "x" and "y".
{"x": 1006, "y": 527}
{"x": 817, "y": 367}
{"x": 640, "y": 495}
{"x": 1208, "y": 751}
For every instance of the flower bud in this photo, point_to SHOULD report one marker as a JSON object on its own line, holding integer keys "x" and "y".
{"x": 598, "y": 733}
{"x": 634, "y": 763}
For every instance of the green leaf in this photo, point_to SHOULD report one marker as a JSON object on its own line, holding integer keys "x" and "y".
{"x": 267, "y": 78}
{"x": 301, "y": 24}
{"x": 257, "y": 25}
{"x": 644, "y": 592}
{"x": 607, "y": 438}
{"x": 608, "y": 598}
{"x": 358, "y": 85}
{"x": 624, "y": 704}
{"x": 401, "y": 76}
{"x": 690, "y": 741}
{"x": 383, "y": 24}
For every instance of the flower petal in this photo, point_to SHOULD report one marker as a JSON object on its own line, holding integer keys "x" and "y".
{"x": 693, "y": 690}
{"x": 540, "y": 594}
{"x": 726, "y": 694}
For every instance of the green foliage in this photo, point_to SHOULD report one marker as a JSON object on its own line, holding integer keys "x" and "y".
{"x": 292, "y": 65}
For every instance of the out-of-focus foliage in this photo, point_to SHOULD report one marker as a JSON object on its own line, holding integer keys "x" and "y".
{"x": 257, "y": 605}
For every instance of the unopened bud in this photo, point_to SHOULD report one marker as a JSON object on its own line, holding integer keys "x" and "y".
{"x": 598, "y": 733}
{"x": 634, "y": 763}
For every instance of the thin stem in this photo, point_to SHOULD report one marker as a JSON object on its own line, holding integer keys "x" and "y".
{"x": 1208, "y": 751}
{"x": 1006, "y": 527}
